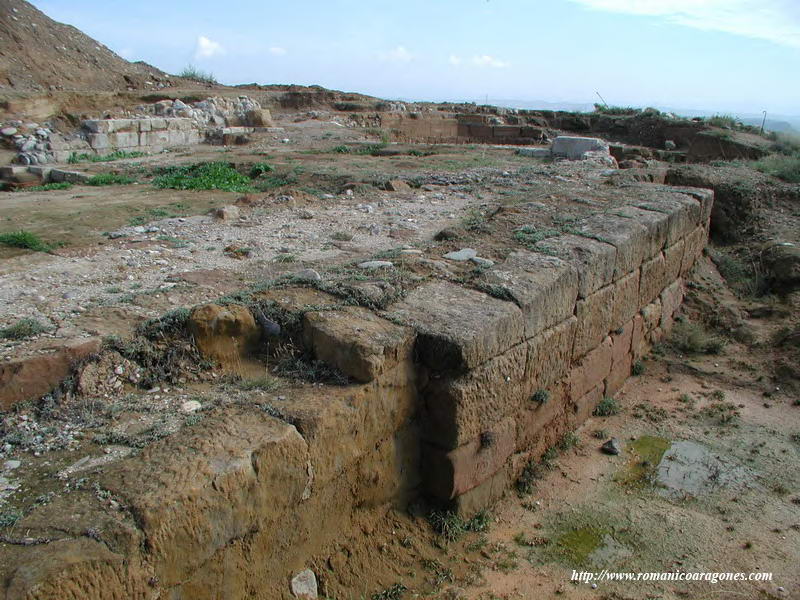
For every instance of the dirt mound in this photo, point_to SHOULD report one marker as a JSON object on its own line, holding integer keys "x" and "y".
{"x": 37, "y": 53}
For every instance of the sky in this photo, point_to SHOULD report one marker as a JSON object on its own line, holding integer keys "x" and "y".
{"x": 731, "y": 56}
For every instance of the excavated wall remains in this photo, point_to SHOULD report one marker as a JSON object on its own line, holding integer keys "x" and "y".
{"x": 456, "y": 392}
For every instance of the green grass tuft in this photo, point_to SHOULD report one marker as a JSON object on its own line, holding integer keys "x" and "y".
{"x": 96, "y": 158}
{"x": 606, "y": 408}
{"x": 25, "y": 239}
{"x": 24, "y": 328}
{"x": 49, "y": 187}
{"x": 110, "y": 179}
{"x": 785, "y": 167}
{"x": 192, "y": 72}
{"x": 203, "y": 176}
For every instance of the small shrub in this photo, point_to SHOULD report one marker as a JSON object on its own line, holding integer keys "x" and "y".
{"x": 638, "y": 368}
{"x": 692, "y": 338}
{"x": 24, "y": 328}
{"x": 616, "y": 110}
{"x": 263, "y": 384}
{"x": 203, "y": 176}
{"x": 476, "y": 221}
{"x": 479, "y": 523}
{"x": 192, "y": 72}
{"x": 724, "y": 121}
{"x": 529, "y": 236}
{"x": 394, "y": 592}
{"x": 110, "y": 179}
{"x": 600, "y": 434}
{"x": 569, "y": 441}
{"x": 341, "y": 236}
{"x": 447, "y": 524}
{"x": 169, "y": 323}
{"x": 25, "y": 239}
{"x": 49, "y": 187}
{"x": 96, "y": 158}
{"x": 607, "y": 407}
{"x": 8, "y": 518}
{"x": 541, "y": 396}
{"x": 260, "y": 169}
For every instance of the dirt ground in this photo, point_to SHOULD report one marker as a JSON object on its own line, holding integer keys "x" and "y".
{"x": 707, "y": 479}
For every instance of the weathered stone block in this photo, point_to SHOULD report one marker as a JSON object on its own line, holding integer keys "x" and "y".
{"x": 657, "y": 225}
{"x": 259, "y": 118}
{"x": 117, "y": 125}
{"x": 639, "y": 346}
{"x": 683, "y": 212}
{"x": 671, "y": 299}
{"x": 226, "y": 334}
{"x": 544, "y": 287}
{"x": 458, "y": 328}
{"x": 585, "y": 405}
{"x": 550, "y": 354}
{"x": 356, "y": 341}
{"x": 179, "y": 124}
{"x": 626, "y": 299}
{"x": 484, "y": 495}
{"x": 158, "y": 124}
{"x": 457, "y": 410}
{"x": 673, "y": 258}
{"x": 651, "y": 314}
{"x": 695, "y": 242}
{"x": 594, "y": 320}
{"x": 154, "y": 138}
{"x": 123, "y": 139}
{"x": 97, "y": 125}
{"x": 573, "y": 148}
{"x": 534, "y": 416}
{"x": 145, "y": 125}
{"x": 593, "y": 260}
{"x": 99, "y": 141}
{"x": 652, "y": 280}
{"x": 591, "y": 371}
{"x": 620, "y": 371}
{"x": 450, "y": 474}
{"x": 629, "y": 237}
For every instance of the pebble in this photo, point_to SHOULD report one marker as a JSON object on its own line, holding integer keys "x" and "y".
{"x": 309, "y": 274}
{"x": 304, "y": 585}
{"x": 190, "y": 406}
{"x": 376, "y": 264}
{"x": 612, "y": 447}
{"x": 462, "y": 255}
{"x": 482, "y": 262}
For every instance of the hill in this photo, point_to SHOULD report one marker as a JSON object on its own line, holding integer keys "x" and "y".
{"x": 40, "y": 54}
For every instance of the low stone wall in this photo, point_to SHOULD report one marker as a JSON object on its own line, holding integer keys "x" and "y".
{"x": 455, "y": 392}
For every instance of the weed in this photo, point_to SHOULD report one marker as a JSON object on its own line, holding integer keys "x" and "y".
{"x": 8, "y": 518}
{"x": 262, "y": 384}
{"x": 600, "y": 434}
{"x": 285, "y": 258}
{"x": 692, "y": 338}
{"x": 724, "y": 121}
{"x": 341, "y": 149}
{"x": 531, "y": 473}
{"x": 203, "y": 176}
{"x": 746, "y": 279}
{"x": 781, "y": 166}
{"x": 479, "y": 523}
{"x": 494, "y": 290}
{"x": 638, "y": 368}
{"x": 169, "y": 323}
{"x": 724, "y": 413}
{"x": 24, "y": 328}
{"x": 605, "y": 109}
{"x": 569, "y": 441}
{"x": 441, "y": 574}
{"x": 529, "y": 235}
{"x": 447, "y": 524}
{"x": 342, "y": 236}
{"x": 25, "y": 239}
{"x": 260, "y": 169}
{"x": 96, "y": 158}
{"x": 607, "y": 407}
{"x": 306, "y": 369}
{"x": 476, "y": 221}
{"x": 394, "y": 592}
{"x": 530, "y": 542}
{"x": 49, "y": 187}
{"x": 540, "y": 396}
{"x": 718, "y": 395}
{"x": 686, "y": 399}
{"x": 192, "y": 72}
{"x": 110, "y": 179}
{"x": 271, "y": 182}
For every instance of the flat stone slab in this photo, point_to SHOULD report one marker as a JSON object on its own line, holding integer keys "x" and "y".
{"x": 461, "y": 255}
{"x": 574, "y": 148}
{"x": 458, "y": 327}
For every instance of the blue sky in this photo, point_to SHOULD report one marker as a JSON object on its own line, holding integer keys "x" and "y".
{"x": 734, "y": 56}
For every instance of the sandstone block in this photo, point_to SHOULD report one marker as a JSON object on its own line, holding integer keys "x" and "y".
{"x": 573, "y": 148}
{"x": 695, "y": 243}
{"x": 585, "y": 404}
{"x": 154, "y": 138}
{"x": 544, "y": 287}
{"x": 594, "y": 320}
{"x": 651, "y": 314}
{"x": 97, "y": 125}
{"x": 657, "y": 225}
{"x": 683, "y": 212}
{"x": 226, "y": 334}
{"x": 457, "y": 410}
{"x": 591, "y": 370}
{"x": 671, "y": 299}
{"x": 145, "y": 125}
{"x": 550, "y": 354}
{"x": 639, "y": 346}
{"x": 450, "y": 474}
{"x": 158, "y": 124}
{"x": 99, "y": 141}
{"x": 356, "y": 341}
{"x": 673, "y": 258}
{"x": 626, "y": 299}
{"x": 620, "y": 371}
{"x": 652, "y": 279}
{"x": 123, "y": 139}
{"x": 534, "y": 416}
{"x": 629, "y": 237}
{"x": 458, "y": 328}
{"x": 593, "y": 260}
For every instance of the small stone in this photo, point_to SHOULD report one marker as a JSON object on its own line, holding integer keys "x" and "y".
{"x": 309, "y": 274}
{"x": 482, "y": 262}
{"x": 304, "y": 585}
{"x": 397, "y": 185}
{"x": 446, "y": 234}
{"x": 10, "y": 465}
{"x": 376, "y": 264}
{"x": 8, "y": 131}
{"x": 190, "y": 406}
{"x": 612, "y": 447}
{"x": 139, "y": 229}
{"x": 227, "y": 213}
{"x": 669, "y": 145}
{"x": 462, "y": 255}
{"x": 305, "y": 214}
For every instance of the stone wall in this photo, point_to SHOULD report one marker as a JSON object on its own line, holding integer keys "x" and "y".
{"x": 454, "y": 392}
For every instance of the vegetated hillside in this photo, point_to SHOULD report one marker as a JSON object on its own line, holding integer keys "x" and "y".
{"x": 37, "y": 53}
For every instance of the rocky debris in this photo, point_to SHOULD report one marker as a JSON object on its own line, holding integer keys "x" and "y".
{"x": 190, "y": 406}
{"x": 781, "y": 261}
{"x": 228, "y": 212}
{"x": 482, "y": 262}
{"x": 398, "y": 185}
{"x": 107, "y": 376}
{"x": 376, "y": 264}
{"x": 612, "y": 447}
{"x": 461, "y": 255}
{"x": 304, "y": 585}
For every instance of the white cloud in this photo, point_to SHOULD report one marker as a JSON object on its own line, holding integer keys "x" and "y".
{"x": 277, "y": 51}
{"x": 207, "y": 48}
{"x": 775, "y": 20}
{"x": 398, "y": 55}
{"x": 455, "y": 60}
{"x": 489, "y": 61}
